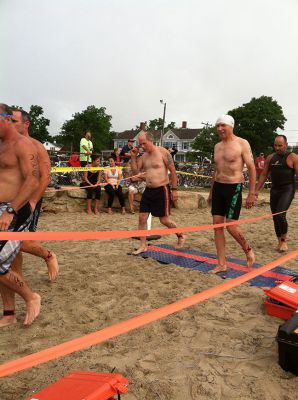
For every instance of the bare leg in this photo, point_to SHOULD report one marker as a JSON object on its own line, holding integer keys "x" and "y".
{"x": 13, "y": 281}
{"x": 220, "y": 243}
{"x": 97, "y": 207}
{"x": 142, "y": 226}
{"x": 238, "y": 236}
{"x": 130, "y": 201}
{"x": 89, "y": 206}
{"x": 8, "y": 295}
{"x": 283, "y": 243}
{"x": 36, "y": 249}
{"x": 171, "y": 224}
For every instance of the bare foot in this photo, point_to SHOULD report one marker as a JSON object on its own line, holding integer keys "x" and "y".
{"x": 53, "y": 267}
{"x": 181, "y": 241}
{"x": 283, "y": 247}
{"x": 33, "y": 309}
{"x": 132, "y": 211}
{"x": 7, "y": 320}
{"x": 250, "y": 257}
{"x": 110, "y": 211}
{"x": 96, "y": 212}
{"x": 139, "y": 251}
{"x": 89, "y": 212}
{"x": 123, "y": 211}
{"x": 219, "y": 268}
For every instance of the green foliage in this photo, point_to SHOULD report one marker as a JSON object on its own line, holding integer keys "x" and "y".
{"x": 156, "y": 124}
{"x": 205, "y": 141}
{"x": 92, "y": 119}
{"x": 38, "y": 123}
{"x": 257, "y": 122}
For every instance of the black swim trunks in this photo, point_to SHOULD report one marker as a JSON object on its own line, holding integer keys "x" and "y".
{"x": 10, "y": 248}
{"x": 35, "y": 218}
{"x": 227, "y": 200}
{"x": 156, "y": 201}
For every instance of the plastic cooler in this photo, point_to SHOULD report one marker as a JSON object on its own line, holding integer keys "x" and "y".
{"x": 282, "y": 301}
{"x": 287, "y": 339}
{"x": 84, "y": 386}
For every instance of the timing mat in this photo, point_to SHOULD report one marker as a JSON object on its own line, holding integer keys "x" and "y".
{"x": 204, "y": 262}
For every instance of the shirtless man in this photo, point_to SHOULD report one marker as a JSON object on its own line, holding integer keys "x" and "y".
{"x": 19, "y": 178}
{"x": 282, "y": 166}
{"x": 21, "y": 124}
{"x": 226, "y": 192}
{"x": 155, "y": 163}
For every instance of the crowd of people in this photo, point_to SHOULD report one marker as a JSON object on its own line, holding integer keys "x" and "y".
{"x": 147, "y": 169}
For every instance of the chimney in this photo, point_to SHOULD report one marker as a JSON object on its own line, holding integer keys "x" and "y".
{"x": 184, "y": 124}
{"x": 142, "y": 126}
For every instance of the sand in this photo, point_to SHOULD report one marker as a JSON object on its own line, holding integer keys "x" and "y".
{"x": 223, "y": 348}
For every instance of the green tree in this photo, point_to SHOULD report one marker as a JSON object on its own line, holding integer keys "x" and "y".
{"x": 205, "y": 141}
{"x": 156, "y": 124}
{"x": 38, "y": 123}
{"x": 92, "y": 119}
{"x": 257, "y": 122}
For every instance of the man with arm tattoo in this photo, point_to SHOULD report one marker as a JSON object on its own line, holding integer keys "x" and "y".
{"x": 156, "y": 162}
{"x": 225, "y": 196}
{"x": 42, "y": 168}
{"x": 19, "y": 179}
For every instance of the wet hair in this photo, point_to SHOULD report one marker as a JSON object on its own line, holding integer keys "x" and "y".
{"x": 5, "y": 109}
{"x": 284, "y": 137}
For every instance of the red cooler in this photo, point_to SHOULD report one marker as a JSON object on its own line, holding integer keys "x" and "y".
{"x": 84, "y": 386}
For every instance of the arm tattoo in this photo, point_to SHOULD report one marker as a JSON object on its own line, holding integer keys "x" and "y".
{"x": 34, "y": 164}
{"x": 169, "y": 160}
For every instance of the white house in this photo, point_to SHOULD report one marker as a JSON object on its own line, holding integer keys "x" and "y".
{"x": 52, "y": 146}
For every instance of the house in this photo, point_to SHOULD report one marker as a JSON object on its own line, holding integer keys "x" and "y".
{"x": 51, "y": 146}
{"x": 181, "y": 138}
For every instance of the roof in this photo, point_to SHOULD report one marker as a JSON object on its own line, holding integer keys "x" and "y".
{"x": 181, "y": 133}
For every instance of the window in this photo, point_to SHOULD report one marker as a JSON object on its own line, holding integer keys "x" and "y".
{"x": 185, "y": 145}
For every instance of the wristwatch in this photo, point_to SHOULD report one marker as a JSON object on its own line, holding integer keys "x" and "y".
{"x": 11, "y": 210}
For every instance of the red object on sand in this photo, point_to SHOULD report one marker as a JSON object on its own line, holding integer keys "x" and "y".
{"x": 282, "y": 300}
{"x": 84, "y": 386}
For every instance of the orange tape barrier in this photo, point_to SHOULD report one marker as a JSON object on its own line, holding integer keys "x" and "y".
{"x": 102, "y": 235}
{"x": 133, "y": 323}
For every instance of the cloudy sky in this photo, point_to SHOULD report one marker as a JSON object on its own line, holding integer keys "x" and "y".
{"x": 202, "y": 57}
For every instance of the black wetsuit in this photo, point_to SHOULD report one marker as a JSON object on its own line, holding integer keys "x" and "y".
{"x": 282, "y": 190}
{"x": 93, "y": 178}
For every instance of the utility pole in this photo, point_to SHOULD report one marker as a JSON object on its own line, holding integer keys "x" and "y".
{"x": 163, "y": 121}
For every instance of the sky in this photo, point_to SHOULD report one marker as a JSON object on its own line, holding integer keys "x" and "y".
{"x": 203, "y": 58}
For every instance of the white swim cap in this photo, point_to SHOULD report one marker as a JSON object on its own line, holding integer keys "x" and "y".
{"x": 225, "y": 119}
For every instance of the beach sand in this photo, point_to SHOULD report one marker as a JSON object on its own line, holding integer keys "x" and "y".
{"x": 222, "y": 348}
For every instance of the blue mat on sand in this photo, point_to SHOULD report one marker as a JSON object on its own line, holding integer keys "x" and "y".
{"x": 204, "y": 262}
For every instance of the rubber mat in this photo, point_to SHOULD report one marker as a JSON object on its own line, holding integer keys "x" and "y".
{"x": 204, "y": 262}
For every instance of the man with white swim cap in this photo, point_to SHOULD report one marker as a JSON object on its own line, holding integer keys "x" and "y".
{"x": 225, "y": 195}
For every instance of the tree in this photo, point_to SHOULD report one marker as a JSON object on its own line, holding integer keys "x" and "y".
{"x": 205, "y": 141}
{"x": 92, "y": 119}
{"x": 156, "y": 124}
{"x": 38, "y": 123}
{"x": 257, "y": 122}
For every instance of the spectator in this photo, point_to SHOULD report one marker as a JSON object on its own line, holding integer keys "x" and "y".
{"x": 74, "y": 160}
{"x": 136, "y": 185}
{"x": 93, "y": 179}
{"x": 113, "y": 178}
{"x": 260, "y": 164}
{"x": 86, "y": 148}
{"x": 125, "y": 152}
{"x": 116, "y": 156}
